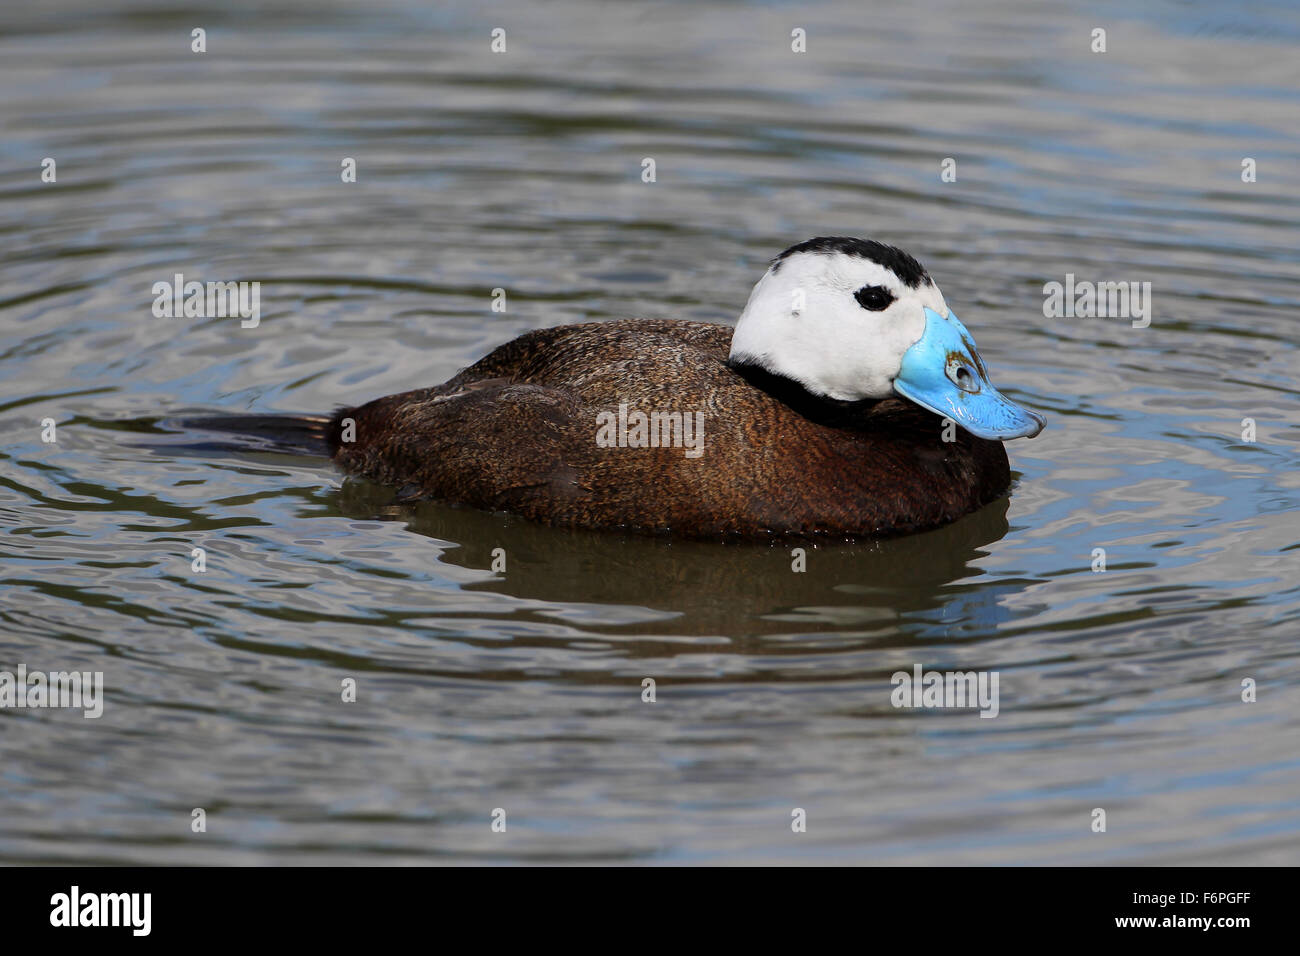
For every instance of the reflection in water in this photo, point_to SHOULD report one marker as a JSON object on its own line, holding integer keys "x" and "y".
{"x": 713, "y": 588}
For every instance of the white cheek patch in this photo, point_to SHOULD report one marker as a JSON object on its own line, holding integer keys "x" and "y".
{"x": 803, "y": 321}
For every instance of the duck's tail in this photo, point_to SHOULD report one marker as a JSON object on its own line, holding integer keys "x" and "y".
{"x": 285, "y": 434}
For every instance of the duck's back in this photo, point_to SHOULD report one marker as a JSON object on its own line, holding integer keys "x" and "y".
{"x": 642, "y": 425}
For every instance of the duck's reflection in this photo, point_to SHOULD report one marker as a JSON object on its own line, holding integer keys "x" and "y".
{"x": 729, "y": 588}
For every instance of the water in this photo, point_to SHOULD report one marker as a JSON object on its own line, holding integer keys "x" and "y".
{"x": 522, "y": 691}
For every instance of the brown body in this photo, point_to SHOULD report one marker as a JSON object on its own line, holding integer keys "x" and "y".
{"x": 517, "y": 432}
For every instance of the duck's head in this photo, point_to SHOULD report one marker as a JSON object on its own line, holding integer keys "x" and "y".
{"x": 850, "y": 319}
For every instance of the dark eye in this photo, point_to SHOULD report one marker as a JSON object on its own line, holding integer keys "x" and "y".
{"x": 874, "y": 297}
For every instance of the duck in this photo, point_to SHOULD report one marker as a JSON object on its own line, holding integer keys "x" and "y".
{"x": 847, "y": 401}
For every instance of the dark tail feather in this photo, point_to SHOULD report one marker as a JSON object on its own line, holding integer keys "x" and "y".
{"x": 286, "y": 434}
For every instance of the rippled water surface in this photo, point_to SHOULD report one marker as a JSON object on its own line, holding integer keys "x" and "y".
{"x": 477, "y": 690}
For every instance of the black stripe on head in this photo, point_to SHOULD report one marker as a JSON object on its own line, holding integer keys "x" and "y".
{"x": 908, "y": 270}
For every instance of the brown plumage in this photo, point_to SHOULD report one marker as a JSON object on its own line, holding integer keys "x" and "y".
{"x": 517, "y": 432}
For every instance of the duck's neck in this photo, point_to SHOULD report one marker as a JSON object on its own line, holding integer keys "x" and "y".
{"x": 833, "y": 412}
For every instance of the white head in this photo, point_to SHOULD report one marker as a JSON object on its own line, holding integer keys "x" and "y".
{"x": 836, "y": 315}
{"x": 850, "y": 319}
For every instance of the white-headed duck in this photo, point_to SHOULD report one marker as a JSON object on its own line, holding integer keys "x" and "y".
{"x": 828, "y": 409}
